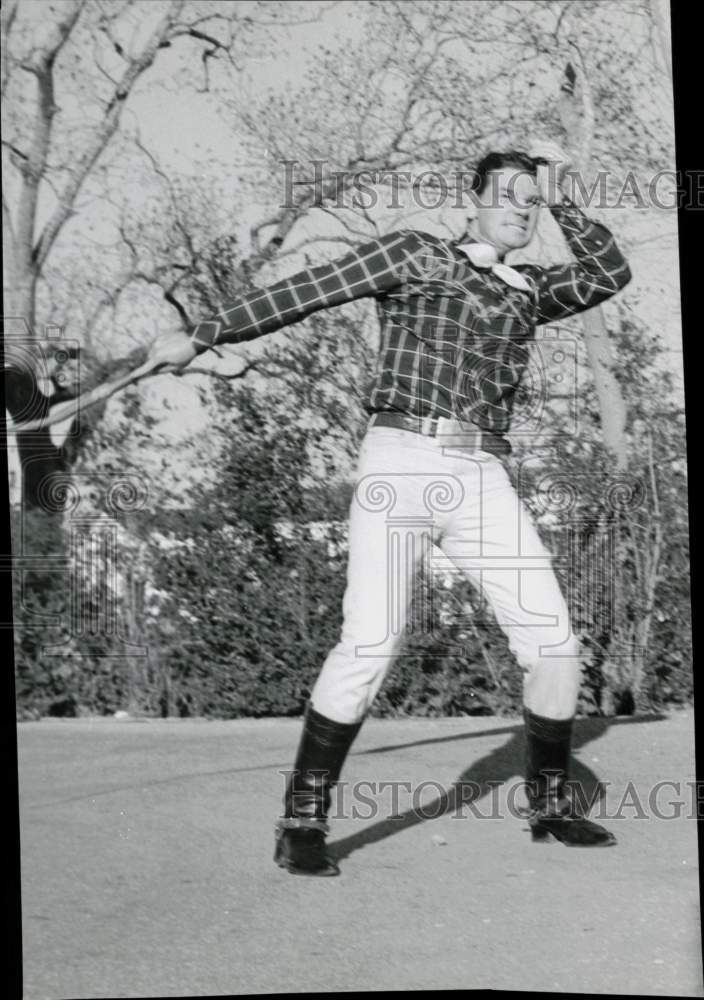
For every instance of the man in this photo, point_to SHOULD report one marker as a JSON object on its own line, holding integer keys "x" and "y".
{"x": 456, "y": 322}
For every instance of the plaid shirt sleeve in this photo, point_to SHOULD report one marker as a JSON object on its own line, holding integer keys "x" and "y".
{"x": 371, "y": 269}
{"x": 599, "y": 272}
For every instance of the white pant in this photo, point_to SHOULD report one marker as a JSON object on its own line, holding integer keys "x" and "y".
{"x": 412, "y": 490}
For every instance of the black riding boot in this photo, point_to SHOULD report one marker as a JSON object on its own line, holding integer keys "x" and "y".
{"x": 300, "y": 833}
{"x": 553, "y": 812}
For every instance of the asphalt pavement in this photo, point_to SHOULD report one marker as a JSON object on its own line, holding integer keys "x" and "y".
{"x": 147, "y": 863}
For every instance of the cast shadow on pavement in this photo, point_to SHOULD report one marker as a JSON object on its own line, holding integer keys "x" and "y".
{"x": 481, "y": 777}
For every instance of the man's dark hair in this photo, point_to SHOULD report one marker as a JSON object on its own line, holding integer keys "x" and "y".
{"x": 497, "y": 161}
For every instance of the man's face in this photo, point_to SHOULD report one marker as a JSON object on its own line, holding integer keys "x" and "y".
{"x": 507, "y": 209}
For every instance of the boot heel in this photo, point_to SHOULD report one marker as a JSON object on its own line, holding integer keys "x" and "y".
{"x": 539, "y": 835}
{"x": 279, "y": 852}
{"x": 302, "y": 852}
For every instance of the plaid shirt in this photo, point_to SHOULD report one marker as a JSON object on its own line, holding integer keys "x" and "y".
{"x": 454, "y": 338}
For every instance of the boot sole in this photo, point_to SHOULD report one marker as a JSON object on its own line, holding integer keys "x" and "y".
{"x": 542, "y": 836}
{"x": 293, "y": 869}
{"x": 315, "y": 872}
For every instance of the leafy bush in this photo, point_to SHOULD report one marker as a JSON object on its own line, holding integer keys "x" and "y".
{"x": 237, "y": 595}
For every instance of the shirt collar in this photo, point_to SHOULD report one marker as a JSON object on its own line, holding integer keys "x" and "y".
{"x": 480, "y": 253}
{"x": 485, "y": 256}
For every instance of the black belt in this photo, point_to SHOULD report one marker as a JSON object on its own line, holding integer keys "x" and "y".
{"x": 465, "y": 436}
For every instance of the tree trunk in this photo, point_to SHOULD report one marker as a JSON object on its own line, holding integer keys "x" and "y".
{"x": 612, "y": 407}
{"x": 41, "y": 460}
{"x": 579, "y": 128}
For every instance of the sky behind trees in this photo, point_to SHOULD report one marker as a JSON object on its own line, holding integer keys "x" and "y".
{"x": 207, "y": 134}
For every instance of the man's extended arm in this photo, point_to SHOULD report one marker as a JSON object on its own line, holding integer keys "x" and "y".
{"x": 371, "y": 269}
{"x": 599, "y": 272}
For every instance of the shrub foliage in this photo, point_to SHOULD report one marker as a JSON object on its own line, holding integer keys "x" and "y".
{"x": 235, "y": 593}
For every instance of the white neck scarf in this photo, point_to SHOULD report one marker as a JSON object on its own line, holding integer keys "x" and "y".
{"x": 485, "y": 257}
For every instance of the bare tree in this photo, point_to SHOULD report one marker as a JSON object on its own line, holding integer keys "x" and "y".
{"x": 426, "y": 84}
{"x": 67, "y": 79}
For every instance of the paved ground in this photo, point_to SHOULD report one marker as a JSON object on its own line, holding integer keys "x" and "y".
{"x": 147, "y": 865}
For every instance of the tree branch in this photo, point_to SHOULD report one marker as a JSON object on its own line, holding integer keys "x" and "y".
{"x": 7, "y": 19}
{"x": 659, "y": 18}
{"x": 41, "y": 65}
{"x": 103, "y": 134}
{"x": 250, "y": 366}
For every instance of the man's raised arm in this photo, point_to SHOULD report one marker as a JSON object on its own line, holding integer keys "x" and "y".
{"x": 371, "y": 269}
{"x": 599, "y": 271}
